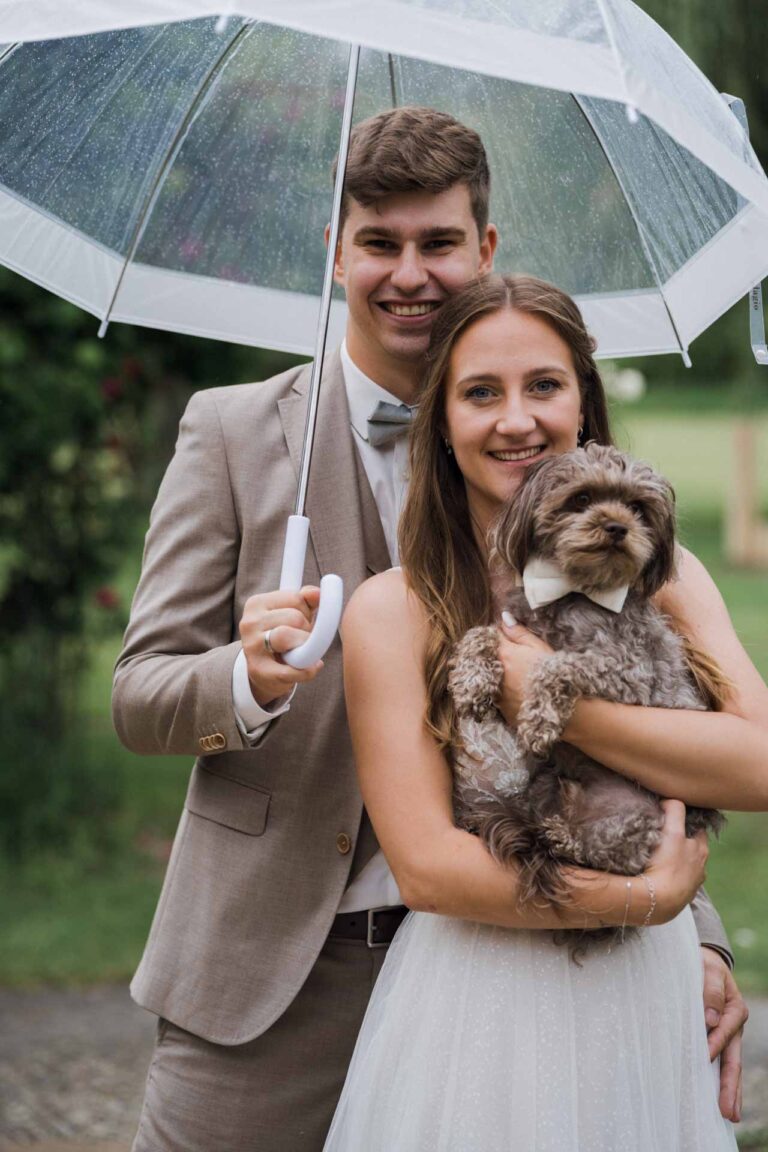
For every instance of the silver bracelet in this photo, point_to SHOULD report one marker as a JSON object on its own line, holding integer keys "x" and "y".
{"x": 626, "y": 909}
{"x": 652, "y": 894}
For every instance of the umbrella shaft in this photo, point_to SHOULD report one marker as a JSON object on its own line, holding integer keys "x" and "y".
{"x": 325, "y": 301}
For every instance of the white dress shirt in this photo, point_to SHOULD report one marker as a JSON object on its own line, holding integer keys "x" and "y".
{"x": 387, "y": 471}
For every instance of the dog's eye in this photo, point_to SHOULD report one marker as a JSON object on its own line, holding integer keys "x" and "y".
{"x": 582, "y": 500}
{"x": 637, "y": 508}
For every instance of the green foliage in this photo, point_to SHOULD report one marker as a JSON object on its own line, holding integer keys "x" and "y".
{"x": 86, "y": 428}
{"x": 728, "y": 42}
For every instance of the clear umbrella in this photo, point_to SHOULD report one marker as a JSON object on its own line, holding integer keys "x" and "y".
{"x": 175, "y": 174}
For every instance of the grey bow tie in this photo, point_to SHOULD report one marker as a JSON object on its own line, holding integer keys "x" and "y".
{"x": 387, "y": 422}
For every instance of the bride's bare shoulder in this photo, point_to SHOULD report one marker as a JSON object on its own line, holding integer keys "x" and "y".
{"x": 383, "y": 603}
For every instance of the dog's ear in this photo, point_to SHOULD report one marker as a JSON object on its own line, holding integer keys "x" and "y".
{"x": 513, "y": 532}
{"x": 659, "y": 504}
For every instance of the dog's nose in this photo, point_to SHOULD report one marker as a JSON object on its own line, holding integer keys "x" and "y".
{"x": 616, "y": 531}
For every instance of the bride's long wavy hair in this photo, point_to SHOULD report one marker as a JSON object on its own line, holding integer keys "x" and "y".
{"x": 438, "y": 550}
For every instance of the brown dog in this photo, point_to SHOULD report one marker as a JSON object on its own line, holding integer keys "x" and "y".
{"x": 592, "y": 534}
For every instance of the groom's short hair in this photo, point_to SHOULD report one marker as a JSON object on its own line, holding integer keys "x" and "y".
{"x": 413, "y": 149}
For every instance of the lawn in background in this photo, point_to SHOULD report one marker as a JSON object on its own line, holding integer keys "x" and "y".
{"x": 694, "y": 451}
{"x": 85, "y": 918}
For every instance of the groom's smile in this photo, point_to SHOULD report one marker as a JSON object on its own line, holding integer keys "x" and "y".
{"x": 398, "y": 261}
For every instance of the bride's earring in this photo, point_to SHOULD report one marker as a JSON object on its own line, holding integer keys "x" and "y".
{"x": 448, "y": 448}
{"x": 579, "y": 435}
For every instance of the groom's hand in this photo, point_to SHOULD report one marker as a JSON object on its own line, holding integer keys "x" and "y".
{"x": 273, "y": 623}
{"x": 726, "y": 1014}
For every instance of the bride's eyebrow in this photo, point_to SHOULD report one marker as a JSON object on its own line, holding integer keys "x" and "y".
{"x": 558, "y": 369}
{"x": 481, "y": 378}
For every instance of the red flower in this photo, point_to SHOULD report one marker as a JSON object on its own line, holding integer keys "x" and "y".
{"x": 111, "y": 387}
{"x": 131, "y": 367}
{"x": 107, "y": 598}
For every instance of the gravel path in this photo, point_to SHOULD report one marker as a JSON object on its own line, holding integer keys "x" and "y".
{"x": 73, "y": 1062}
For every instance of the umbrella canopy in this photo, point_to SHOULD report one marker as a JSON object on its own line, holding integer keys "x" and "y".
{"x": 177, "y": 174}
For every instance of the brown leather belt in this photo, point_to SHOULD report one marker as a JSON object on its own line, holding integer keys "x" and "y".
{"x": 377, "y": 926}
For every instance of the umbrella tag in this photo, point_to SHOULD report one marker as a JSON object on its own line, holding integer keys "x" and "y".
{"x": 757, "y": 325}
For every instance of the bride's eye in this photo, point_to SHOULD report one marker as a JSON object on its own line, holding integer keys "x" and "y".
{"x": 546, "y": 386}
{"x": 479, "y": 392}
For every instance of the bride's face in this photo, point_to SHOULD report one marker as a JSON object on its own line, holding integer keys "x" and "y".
{"x": 512, "y": 397}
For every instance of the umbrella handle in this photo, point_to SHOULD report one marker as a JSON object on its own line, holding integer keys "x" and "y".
{"x": 331, "y": 596}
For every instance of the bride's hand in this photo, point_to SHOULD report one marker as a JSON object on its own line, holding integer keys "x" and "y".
{"x": 677, "y": 867}
{"x": 519, "y": 652}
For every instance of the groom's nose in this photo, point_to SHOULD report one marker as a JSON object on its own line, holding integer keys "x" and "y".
{"x": 410, "y": 272}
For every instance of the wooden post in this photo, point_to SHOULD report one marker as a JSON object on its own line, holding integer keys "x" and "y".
{"x": 746, "y": 535}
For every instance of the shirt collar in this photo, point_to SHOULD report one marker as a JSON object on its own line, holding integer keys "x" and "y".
{"x": 363, "y": 394}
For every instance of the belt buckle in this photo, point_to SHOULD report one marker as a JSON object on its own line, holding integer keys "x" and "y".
{"x": 369, "y": 940}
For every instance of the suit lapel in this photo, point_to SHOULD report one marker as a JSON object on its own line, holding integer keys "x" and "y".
{"x": 345, "y": 528}
{"x": 377, "y": 556}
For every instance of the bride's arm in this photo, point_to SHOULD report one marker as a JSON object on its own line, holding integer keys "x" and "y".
{"x": 406, "y": 786}
{"x": 714, "y": 759}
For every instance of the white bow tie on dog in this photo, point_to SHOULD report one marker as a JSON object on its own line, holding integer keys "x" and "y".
{"x": 543, "y": 582}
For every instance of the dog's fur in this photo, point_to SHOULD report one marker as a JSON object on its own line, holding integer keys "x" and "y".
{"x": 574, "y": 810}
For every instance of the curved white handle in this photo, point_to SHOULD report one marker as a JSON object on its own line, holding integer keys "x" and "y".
{"x": 325, "y": 627}
{"x": 331, "y": 597}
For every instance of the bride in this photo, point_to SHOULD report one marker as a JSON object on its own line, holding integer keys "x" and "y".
{"x": 481, "y": 1033}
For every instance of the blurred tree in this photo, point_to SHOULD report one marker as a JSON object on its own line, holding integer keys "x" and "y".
{"x": 728, "y": 39}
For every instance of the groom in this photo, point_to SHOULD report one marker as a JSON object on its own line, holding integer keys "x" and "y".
{"x": 277, "y": 907}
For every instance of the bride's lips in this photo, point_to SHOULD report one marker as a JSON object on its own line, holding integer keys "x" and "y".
{"x": 517, "y": 457}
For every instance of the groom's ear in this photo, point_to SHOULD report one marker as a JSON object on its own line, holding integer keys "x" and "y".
{"x": 487, "y": 249}
{"x": 338, "y": 265}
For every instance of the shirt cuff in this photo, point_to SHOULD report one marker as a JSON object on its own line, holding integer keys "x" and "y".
{"x": 720, "y": 951}
{"x": 252, "y": 719}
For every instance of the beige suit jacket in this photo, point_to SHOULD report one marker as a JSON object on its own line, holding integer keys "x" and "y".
{"x": 262, "y": 853}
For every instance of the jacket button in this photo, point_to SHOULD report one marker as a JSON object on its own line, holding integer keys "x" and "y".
{"x": 343, "y": 843}
{"x": 204, "y": 743}
{"x": 218, "y": 741}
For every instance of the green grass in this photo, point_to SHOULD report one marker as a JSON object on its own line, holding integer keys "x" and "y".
{"x": 76, "y": 920}
{"x": 756, "y": 1141}
{"x": 694, "y": 451}
{"x": 84, "y": 917}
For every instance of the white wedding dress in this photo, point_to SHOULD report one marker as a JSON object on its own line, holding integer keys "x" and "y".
{"x": 483, "y": 1039}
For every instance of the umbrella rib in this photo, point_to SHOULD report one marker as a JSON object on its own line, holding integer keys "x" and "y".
{"x": 638, "y": 228}
{"x": 203, "y": 89}
{"x": 392, "y": 83}
{"x": 630, "y": 107}
{"x": 8, "y": 51}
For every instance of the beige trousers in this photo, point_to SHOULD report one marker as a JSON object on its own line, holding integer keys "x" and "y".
{"x": 274, "y": 1094}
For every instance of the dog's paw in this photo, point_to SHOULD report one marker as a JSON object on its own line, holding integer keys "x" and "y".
{"x": 539, "y": 727}
{"x": 709, "y": 820}
{"x": 475, "y": 673}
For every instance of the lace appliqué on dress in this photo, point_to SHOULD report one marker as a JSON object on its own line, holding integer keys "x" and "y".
{"x": 488, "y": 766}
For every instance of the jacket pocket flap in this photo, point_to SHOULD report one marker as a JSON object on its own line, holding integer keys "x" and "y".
{"x": 228, "y": 802}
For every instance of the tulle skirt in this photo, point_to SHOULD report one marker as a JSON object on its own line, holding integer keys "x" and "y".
{"x": 482, "y": 1039}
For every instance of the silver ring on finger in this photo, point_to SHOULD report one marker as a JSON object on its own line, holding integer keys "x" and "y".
{"x": 267, "y": 643}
